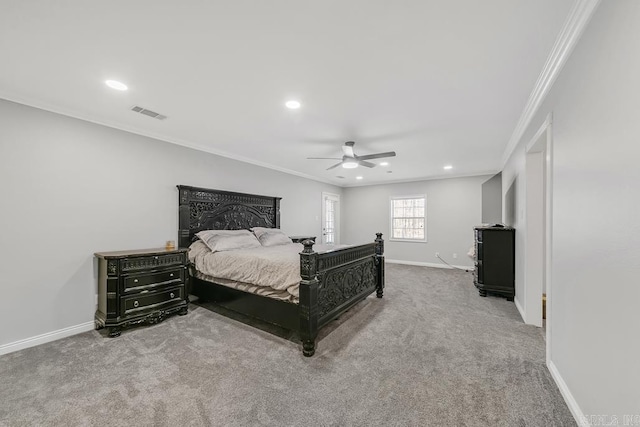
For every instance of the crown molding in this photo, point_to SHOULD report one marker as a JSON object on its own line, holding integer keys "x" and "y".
{"x": 164, "y": 138}
{"x": 188, "y": 144}
{"x": 420, "y": 179}
{"x": 574, "y": 26}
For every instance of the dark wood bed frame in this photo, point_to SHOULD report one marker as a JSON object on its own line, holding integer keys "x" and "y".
{"x": 332, "y": 282}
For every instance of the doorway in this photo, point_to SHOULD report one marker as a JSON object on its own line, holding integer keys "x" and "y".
{"x": 534, "y": 244}
{"x": 538, "y": 168}
{"x": 330, "y": 219}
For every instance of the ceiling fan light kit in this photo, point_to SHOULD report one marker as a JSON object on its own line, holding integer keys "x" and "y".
{"x": 350, "y": 160}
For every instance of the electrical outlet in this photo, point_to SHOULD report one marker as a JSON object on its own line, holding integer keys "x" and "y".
{"x": 437, "y": 254}
{"x": 455, "y": 256}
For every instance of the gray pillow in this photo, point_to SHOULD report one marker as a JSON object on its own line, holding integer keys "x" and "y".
{"x": 274, "y": 239}
{"x": 259, "y": 231}
{"x": 227, "y": 240}
{"x": 271, "y": 236}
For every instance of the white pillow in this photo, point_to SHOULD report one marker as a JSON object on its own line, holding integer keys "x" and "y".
{"x": 271, "y": 236}
{"x": 259, "y": 231}
{"x": 227, "y": 240}
{"x": 274, "y": 239}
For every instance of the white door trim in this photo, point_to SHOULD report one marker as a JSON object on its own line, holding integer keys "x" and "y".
{"x": 534, "y": 261}
{"x": 335, "y": 197}
{"x": 546, "y": 145}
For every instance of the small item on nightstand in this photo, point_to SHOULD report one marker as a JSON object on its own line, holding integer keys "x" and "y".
{"x": 171, "y": 245}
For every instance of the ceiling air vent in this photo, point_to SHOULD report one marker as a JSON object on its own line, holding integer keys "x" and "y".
{"x": 146, "y": 112}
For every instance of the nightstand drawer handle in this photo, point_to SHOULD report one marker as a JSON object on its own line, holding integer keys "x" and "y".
{"x": 136, "y": 303}
{"x": 172, "y": 295}
{"x": 135, "y": 281}
{"x": 171, "y": 275}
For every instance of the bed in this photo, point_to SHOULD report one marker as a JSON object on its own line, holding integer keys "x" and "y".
{"x": 331, "y": 281}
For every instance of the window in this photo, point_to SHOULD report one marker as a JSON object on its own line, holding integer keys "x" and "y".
{"x": 409, "y": 218}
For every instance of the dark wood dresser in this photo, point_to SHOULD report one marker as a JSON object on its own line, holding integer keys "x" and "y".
{"x": 495, "y": 261}
{"x": 140, "y": 286}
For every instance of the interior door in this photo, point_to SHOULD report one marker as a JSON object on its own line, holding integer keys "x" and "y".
{"x": 330, "y": 219}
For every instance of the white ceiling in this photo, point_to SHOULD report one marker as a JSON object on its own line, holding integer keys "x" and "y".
{"x": 439, "y": 82}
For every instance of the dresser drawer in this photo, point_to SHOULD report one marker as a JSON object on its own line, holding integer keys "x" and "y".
{"x": 149, "y": 281}
{"x": 150, "y": 301}
{"x": 151, "y": 262}
{"x": 479, "y": 273}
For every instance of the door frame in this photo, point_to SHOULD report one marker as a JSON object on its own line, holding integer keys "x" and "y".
{"x": 542, "y": 142}
{"x": 336, "y": 197}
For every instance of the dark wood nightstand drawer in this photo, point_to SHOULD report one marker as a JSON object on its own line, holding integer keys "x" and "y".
{"x": 139, "y": 303}
{"x": 150, "y": 262}
{"x": 147, "y": 281}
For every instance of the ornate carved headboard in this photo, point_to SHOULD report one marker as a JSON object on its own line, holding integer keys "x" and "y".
{"x": 205, "y": 209}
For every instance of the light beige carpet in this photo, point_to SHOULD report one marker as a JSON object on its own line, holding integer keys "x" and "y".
{"x": 430, "y": 353}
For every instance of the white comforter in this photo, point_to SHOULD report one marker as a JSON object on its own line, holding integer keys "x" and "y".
{"x": 276, "y": 267}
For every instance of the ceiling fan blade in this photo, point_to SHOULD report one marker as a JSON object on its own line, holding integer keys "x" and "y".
{"x": 324, "y": 158}
{"x": 366, "y": 164}
{"x": 377, "y": 156}
{"x": 334, "y": 166}
{"x": 347, "y": 149}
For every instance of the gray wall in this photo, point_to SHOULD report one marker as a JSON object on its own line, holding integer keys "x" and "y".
{"x": 71, "y": 188}
{"x": 594, "y": 315}
{"x": 492, "y": 200}
{"x": 453, "y": 208}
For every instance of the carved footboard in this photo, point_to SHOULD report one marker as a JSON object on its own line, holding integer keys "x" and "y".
{"x": 334, "y": 281}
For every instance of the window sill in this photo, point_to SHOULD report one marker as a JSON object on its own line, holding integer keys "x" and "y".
{"x": 408, "y": 240}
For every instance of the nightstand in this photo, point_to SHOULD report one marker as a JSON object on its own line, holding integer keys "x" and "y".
{"x": 140, "y": 286}
{"x": 300, "y": 239}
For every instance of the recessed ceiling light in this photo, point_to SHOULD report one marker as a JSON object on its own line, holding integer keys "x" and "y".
{"x": 292, "y": 104}
{"x": 350, "y": 165}
{"x": 448, "y": 167}
{"x": 358, "y": 177}
{"x": 384, "y": 163}
{"x": 114, "y": 84}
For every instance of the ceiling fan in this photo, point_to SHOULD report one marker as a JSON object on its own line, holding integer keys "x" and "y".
{"x": 350, "y": 160}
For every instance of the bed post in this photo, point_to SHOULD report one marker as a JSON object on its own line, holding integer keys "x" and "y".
{"x": 184, "y": 240}
{"x": 308, "y": 299}
{"x": 380, "y": 264}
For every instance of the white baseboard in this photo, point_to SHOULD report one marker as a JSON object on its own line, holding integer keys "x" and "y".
{"x": 520, "y": 309}
{"x": 428, "y": 264}
{"x": 45, "y": 338}
{"x": 568, "y": 397}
